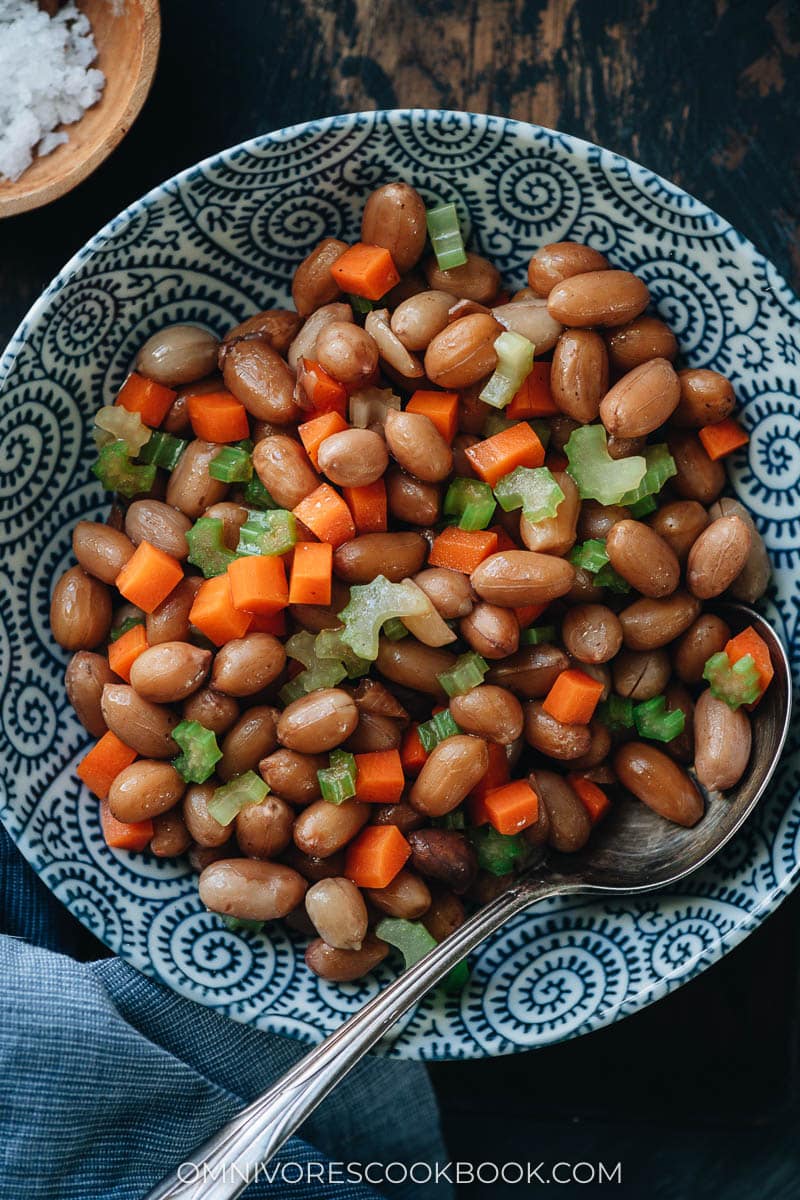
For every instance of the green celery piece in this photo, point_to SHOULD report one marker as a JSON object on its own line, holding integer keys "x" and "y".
{"x": 607, "y": 577}
{"x": 268, "y": 533}
{"x": 394, "y": 630}
{"x": 498, "y": 853}
{"x": 117, "y": 473}
{"x": 229, "y": 800}
{"x": 736, "y": 684}
{"x": 337, "y": 781}
{"x": 115, "y": 423}
{"x": 255, "y": 495}
{"x": 328, "y": 644}
{"x": 128, "y": 624}
{"x": 440, "y": 727}
{"x": 199, "y": 751}
{"x": 242, "y": 925}
{"x": 653, "y": 721}
{"x": 413, "y": 941}
{"x": 359, "y": 304}
{"x": 319, "y": 673}
{"x": 207, "y": 549}
{"x": 371, "y": 604}
{"x": 233, "y": 464}
{"x": 300, "y": 646}
{"x": 451, "y": 820}
{"x": 497, "y": 423}
{"x": 537, "y": 634}
{"x": 597, "y": 475}
{"x": 471, "y": 501}
{"x": 533, "y": 489}
{"x": 468, "y": 673}
{"x": 642, "y": 508}
{"x": 444, "y": 231}
{"x": 660, "y": 466}
{"x": 163, "y": 450}
{"x": 514, "y": 365}
{"x": 292, "y": 690}
{"x": 616, "y": 713}
{"x": 589, "y": 556}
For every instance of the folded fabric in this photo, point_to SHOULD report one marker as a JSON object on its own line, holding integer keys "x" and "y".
{"x": 108, "y": 1080}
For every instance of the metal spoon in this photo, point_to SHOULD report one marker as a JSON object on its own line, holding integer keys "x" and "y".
{"x": 632, "y": 851}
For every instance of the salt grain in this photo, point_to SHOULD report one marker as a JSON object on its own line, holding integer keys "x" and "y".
{"x": 46, "y": 79}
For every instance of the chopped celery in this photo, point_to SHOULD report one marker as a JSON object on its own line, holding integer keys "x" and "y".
{"x": 115, "y": 423}
{"x": 659, "y": 467}
{"x": 440, "y": 727}
{"x": 255, "y": 495}
{"x": 642, "y": 508}
{"x": 337, "y": 782}
{"x": 163, "y": 450}
{"x": 394, "y": 630}
{"x": 319, "y": 672}
{"x": 128, "y": 624}
{"x": 498, "y": 853}
{"x": 292, "y": 690}
{"x": 242, "y": 925}
{"x": 514, "y": 365}
{"x": 370, "y": 606}
{"x": 329, "y": 644}
{"x": 445, "y": 234}
{"x": 413, "y": 941}
{"x": 597, "y": 475}
{"x": 207, "y": 549}
{"x": 589, "y": 556}
{"x": 533, "y": 489}
{"x": 471, "y": 501}
{"x": 497, "y": 423}
{"x": 736, "y": 684}
{"x": 607, "y": 577}
{"x": 468, "y": 673}
{"x": 653, "y": 721}
{"x": 199, "y": 751}
{"x": 229, "y": 800}
{"x": 233, "y": 464}
{"x": 359, "y": 304}
{"x": 117, "y": 473}
{"x": 451, "y": 820}
{"x": 538, "y": 634}
{"x": 616, "y": 713}
{"x": 265, "y": 533}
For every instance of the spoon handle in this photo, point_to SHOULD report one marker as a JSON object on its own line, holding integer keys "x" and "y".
{"x": 223, "y": 1166}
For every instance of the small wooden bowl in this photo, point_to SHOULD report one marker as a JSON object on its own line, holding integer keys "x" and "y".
{"x": 127, "y": 50}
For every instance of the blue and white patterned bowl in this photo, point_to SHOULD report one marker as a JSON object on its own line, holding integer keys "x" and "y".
{"x": 221, "y": 241}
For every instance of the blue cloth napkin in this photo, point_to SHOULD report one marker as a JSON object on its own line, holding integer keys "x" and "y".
{"x": 108, "y": 1080}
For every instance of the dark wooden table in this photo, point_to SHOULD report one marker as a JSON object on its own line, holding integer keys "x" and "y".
{"x": 697, "y": 1095}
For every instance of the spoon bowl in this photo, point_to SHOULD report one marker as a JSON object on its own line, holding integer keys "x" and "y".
{"x": 127, "y": 37}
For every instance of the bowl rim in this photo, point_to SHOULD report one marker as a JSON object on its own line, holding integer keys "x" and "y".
{"x": 652, "y": 989}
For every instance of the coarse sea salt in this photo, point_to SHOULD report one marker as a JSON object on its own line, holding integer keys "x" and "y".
{"x": 46, "y": 80}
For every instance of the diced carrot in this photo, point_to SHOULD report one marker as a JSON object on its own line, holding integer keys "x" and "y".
{"x": 512, "y": 807}
{"x": 103, "y": 763}
{"x": 440, "y": 407}
{"x": 274, "y": 623}
{"x": 365, "y": 271}
{"x": 498, "y": 455}
{"x": 213, "y": 612}
{"x": 413, "y": 754}
{"x": 573, "y": 697}
{"x": 122, "y": 653}
{"x": 368, "y": 507}
{"x": 312, "y": 570}
{"x": 722, "y": 438}
{"x": 218, "y": 417}
{"x": 749, "y": 642}
{"x": 534, "y": 398}
{"x": 497, "y": 774}
{"x": 556, "y": 461}
{"x": 314, "y": 432}
{"x": 379, "y": 777}
{"x": 258, "y": 584}
{"x": 462, "y": 549}
{"x": 504, "y": 542}
{"x": 148, "y": 577}
{"x": 526, "y": 614}
{"x": 325, "y": 393}
{"x": 325, "y": 513}
{"x": 593, "y": 798}
{"x": 151, "y": 400}
{"x": 124, "y": 835}
{"x": 376, "y": 856}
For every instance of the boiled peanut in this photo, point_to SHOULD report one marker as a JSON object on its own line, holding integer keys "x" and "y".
{"x": 644, "y": 559}
{"x": 170, "y": 671}
{"x": 144, "y": 789}
{"x": 569, "y": 822}
{"x": 248, "y": 741}
{"x": 205, "y": 829}
{"x": 178, "y": 354}
{"x": 641, "y": 674}
{"x": 648, "y": 624}
{"x": 531, "y": 672}
{"x": 706, "y": 636}
{"x": 86, "y": 676}
{"x": 444, "y": 855}
{"x": 407, "y": 896}
{"x": 598, "y": 298}
{"x": 318, "y": 722}
{"x": 100, "y": 550}
{"x": 251, "y": 890}
{"x": 717, "y": 557}
{"x": 338, "y": 913}
{"x": 753, "y": 579}
{"x": 313, "y": 285}
{"x": 448, "y": 591}
{"x": 394, "y": 217}
{"x": 80, "y": 610}
{"x": 652, "y": 777}
{"x": 395, "y": 555}
{"x": 159, "y": 524}
{"x": 699, "y": 477}
{"x": 410, "y": 500}
{"x": 552, "y": 264}
{"x": 264, "y": 830}
{"x": 639, "y": 341}
{"x": 579, "y": 374}
{"x": 283, "y": 467}
{"x": 416, "y": 444}
{"x": 145, "y": 727}
{"x": 245, "y": 665}
{"x": 642, "y": 400}
{"x": 293, "y": 775}
{"x": 305, "y": 342}
{"x": 491, "y": 631}
{"x": 680, "y": 524}
{"x": 464, "y": 352}
{"x": 591, "y": 633}
{"x": 260, "y": 380}
{"x": 478, "y": 279}
{"x": 344, "y": 966}
{"x": 555, "y": 535}
{"x": 531, "y": 320}
{"x": 722, "y": 743}
{"x": 516, "y": 577}
{"x": 170, "y": 837}
{"x": 489, "y": 712}
{"x": 413, "y": 665}
{"x": 190, "y": 488}
{"x": 552, "y": 737}
{"x": 211, "y": 709}
{"x": 417, "y": 320}
{"x": 450, "y": 772}
{"x": 706, "y": 399}
{"x": 323, "y": 828}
